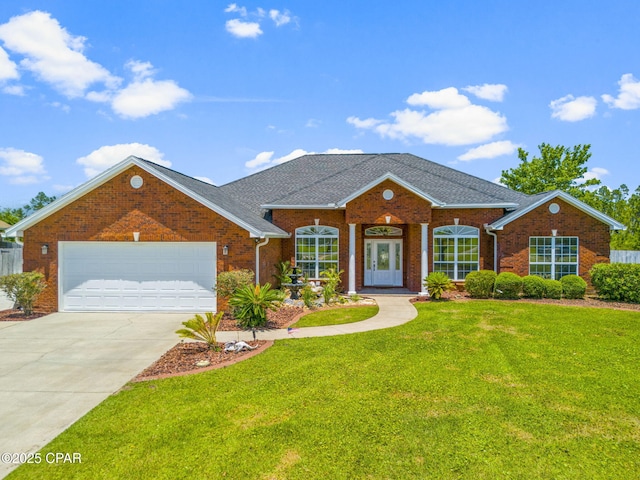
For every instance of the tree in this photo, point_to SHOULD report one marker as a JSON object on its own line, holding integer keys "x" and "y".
{"x": 557, "y": 168}
{"x": 562, "y": 168}
{"x": 14, "y": 215}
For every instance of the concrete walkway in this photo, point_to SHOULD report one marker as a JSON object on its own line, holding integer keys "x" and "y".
{"x": 54, "y": 369}
{"x": 394, "y": 310}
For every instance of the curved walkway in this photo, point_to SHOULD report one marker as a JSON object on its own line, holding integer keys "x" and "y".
{"x": 393, "y": 310}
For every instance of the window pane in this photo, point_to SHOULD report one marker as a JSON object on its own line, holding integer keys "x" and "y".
{"x": 448, "y": 268}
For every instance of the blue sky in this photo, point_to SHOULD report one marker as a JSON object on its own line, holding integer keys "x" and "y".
{"x": 218, "y": 90}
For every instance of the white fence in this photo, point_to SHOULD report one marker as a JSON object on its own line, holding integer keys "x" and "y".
{"x": 625, "y": 256}
{"x": 10, "y": 261}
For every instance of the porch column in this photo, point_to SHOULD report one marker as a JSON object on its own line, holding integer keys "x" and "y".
{"x": 424, "y": 257}
{"x": 352, "y": 259}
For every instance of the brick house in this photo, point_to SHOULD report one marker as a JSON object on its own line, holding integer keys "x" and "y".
{"x": 140, "y": 236}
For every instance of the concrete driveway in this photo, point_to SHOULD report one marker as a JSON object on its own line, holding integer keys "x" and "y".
{"x": 56, "y": 368}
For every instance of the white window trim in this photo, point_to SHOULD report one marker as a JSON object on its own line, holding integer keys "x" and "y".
{"x": 456, "y": 234}
{"x": 316, "y": 237}
{"x": 553, "y": 262}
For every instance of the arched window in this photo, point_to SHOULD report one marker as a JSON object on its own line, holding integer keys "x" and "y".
{"x": 383, "y": 232}
{"x": 456, "y": 250}
{"x": 316, "y": 249}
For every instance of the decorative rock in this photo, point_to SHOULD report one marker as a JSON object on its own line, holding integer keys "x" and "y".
{"x": 203, "y": 363}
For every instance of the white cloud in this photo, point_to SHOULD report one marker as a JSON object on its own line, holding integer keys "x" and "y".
{"x": 489, "y": 150}
{"x": 456, "y": 120}
{"x": 628, "y": 96}
{"x": 8, "y": 69}
{"x": 53, "y": 55}
{"x": 367, "y": 123}
{"x": 595, "y": 172}
{"x": 442, "y": 99}
{"x": 241, "y": 29}
{"x": 148, "y": 97}
{"x": 144, "y": 96}
{"x": 56, "y": 57}
{"x": 493, "y": 92}
{"x": 17, "y": 90}
{"x": 280, "y": 18}
{"x": 313, "y": 123}
{"x": 59, "y": 188}
{"x": 234, "y": 8}
{"x": 108, "y": 155}
{"x": 249, "y": 25}
{"x": 265, "y": 159}
{"x": 571, "y": 109}
{"x": 21, "y": 167}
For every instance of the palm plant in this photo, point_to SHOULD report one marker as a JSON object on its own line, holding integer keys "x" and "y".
{"x": 283, "y": 272}
{"x": 437, "y": 283}
{"x": 197, "y": 328}
{"x": 251, "y": 304}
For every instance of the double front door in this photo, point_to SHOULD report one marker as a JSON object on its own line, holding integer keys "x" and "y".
{"x": 383, "y": 262}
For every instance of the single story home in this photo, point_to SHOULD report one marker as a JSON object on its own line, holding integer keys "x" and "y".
{"x": 141, "y": 236}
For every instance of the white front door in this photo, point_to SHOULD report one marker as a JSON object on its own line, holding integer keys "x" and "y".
{"x": 383, "y": 263}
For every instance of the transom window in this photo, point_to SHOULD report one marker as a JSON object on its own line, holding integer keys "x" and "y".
{"x": 553, "y": 257}
{"x": 316, "y": 249}
{"x": 456, "y": 250}
{"x": 383, "y": 232}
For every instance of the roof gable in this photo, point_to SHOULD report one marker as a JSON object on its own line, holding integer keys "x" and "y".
{"x": 201, "y": 192}
{"x": 535, "y": 201}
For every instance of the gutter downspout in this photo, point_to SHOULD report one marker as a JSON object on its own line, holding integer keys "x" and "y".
{"x": 495, "y": 246}
{"x": 258, "y": 245}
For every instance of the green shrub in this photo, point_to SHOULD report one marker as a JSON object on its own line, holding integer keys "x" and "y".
{"x": 251, "y": 304}
{"x": 197, "y": 328}
{"x": 437, "y": 283}
{"x": 508, "y": 285}
{"x": 573, "y": 286}
{"x": 617, "y": 281}
{"x": 283, "y": 272}
{"x": 533, "y": 286}
{"x": 332, "y": 281}
{"x": 228, "y": 282}
{"x": 23, "y": 289}
{"x": 552, "y": 288}
{"x": 308, "y": 296}
{"x": 480, "y": 284}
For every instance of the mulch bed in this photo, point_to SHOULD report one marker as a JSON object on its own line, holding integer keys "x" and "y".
{"x": 182, "y": 359}
{"x": 18, "y": 316}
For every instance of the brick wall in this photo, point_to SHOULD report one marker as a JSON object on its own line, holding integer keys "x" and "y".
{"x": 569, "y": 221}
{"x": 114, "y": 210}
{"x": 404, "y": 208}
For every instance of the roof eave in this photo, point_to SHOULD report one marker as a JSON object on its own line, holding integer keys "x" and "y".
{"x": 477, "y": 205}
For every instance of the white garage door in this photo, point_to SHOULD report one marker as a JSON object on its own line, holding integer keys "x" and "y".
{"x": 129, "y": 276}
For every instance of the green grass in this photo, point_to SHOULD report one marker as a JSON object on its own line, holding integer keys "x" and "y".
{"x": 477, "y": 390}
{"x": 337, "y": 316}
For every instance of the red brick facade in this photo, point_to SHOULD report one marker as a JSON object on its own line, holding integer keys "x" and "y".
{"x": 593, "y": 237}
{"x": 113, "y": 210}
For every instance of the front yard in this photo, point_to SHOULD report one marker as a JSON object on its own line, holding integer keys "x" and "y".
{"x": 479, "y": 389}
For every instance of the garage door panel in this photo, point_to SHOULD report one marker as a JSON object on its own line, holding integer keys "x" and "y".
{"x": 137, "y": 276}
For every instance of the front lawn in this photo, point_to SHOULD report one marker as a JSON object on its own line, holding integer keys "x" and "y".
{"x": 336, "y": 316}
{"x": 479, "y": 390}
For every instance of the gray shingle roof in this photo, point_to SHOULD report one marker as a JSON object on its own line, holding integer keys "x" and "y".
{"x": 324, "y": 179}
{"x": 227, "y": 203}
